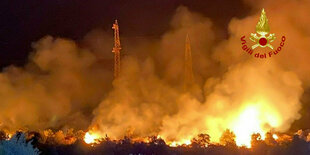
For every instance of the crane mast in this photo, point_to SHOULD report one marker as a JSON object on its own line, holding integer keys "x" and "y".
{"x": 188, "y": 68}
{"x": 116, "y": 50}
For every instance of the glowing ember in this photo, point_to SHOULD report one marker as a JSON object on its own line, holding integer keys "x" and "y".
{"x": 274, "y": 136}
{"x": 9, "y": 136}
{"x": 91, "y": 138}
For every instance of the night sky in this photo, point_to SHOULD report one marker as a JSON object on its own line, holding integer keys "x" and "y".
{"x": 24, "y": 22}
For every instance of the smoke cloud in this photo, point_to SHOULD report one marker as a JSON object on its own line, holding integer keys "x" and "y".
{"x": 57, "y": 88}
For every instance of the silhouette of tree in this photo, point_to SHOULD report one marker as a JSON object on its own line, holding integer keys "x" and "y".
{"x": 18, "y": 145}
{"x": 256, "y": 139}
{"x": 202, "y": 140}
{"x": 270, "y": 140}
{"x": 228, "y": 138}
{"x": 3, "y": 135}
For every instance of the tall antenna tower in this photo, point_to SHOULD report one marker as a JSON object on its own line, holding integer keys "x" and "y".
{"x": 116, "y": 50}
{"x": 188, "y": 68}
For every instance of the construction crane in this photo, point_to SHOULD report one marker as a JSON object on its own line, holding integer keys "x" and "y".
{"x": 116, "y": 50}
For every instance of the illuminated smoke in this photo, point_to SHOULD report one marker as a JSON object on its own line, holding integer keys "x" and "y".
{"x": 58, "y": 86}
{"x": 253, "y": 96}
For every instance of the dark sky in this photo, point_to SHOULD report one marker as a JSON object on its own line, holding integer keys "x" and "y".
{"x": 26, "y": 21}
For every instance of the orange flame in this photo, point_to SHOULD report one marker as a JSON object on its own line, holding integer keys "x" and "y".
{"x": 91, "y": 138}
{"x": 253, "y": 119}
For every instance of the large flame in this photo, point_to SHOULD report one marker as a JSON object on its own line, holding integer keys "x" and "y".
{"x": 91, "y": 138}
{"x": 254, "y": 118}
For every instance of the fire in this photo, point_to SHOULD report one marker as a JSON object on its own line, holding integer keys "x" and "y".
{"x": 179, "y": 143}
{"x": 254, "y": 118}
{"x": 94, "y": 138}
{"x": 91, "y": 138}
{"x": 247, "y": 124}
{"x": 9, "y": 136}
{"x": 251, "y": 118}
{"x": 274, "y": 136}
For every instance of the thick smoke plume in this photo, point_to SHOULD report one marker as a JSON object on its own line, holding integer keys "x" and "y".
{"x": 241, "y": 89}
{"x": 56, "y": 89}
{"x": 66, "y": 85}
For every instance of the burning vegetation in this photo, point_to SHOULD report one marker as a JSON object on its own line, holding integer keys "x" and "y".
{"x": 79, "y": 142}
{"x": 174, "y": 95}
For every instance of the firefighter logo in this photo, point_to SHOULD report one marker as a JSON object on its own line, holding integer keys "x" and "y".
{"x": 262, "y": 37}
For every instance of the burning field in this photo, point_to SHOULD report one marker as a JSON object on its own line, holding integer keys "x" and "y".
{"x": 190, "y": 91}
